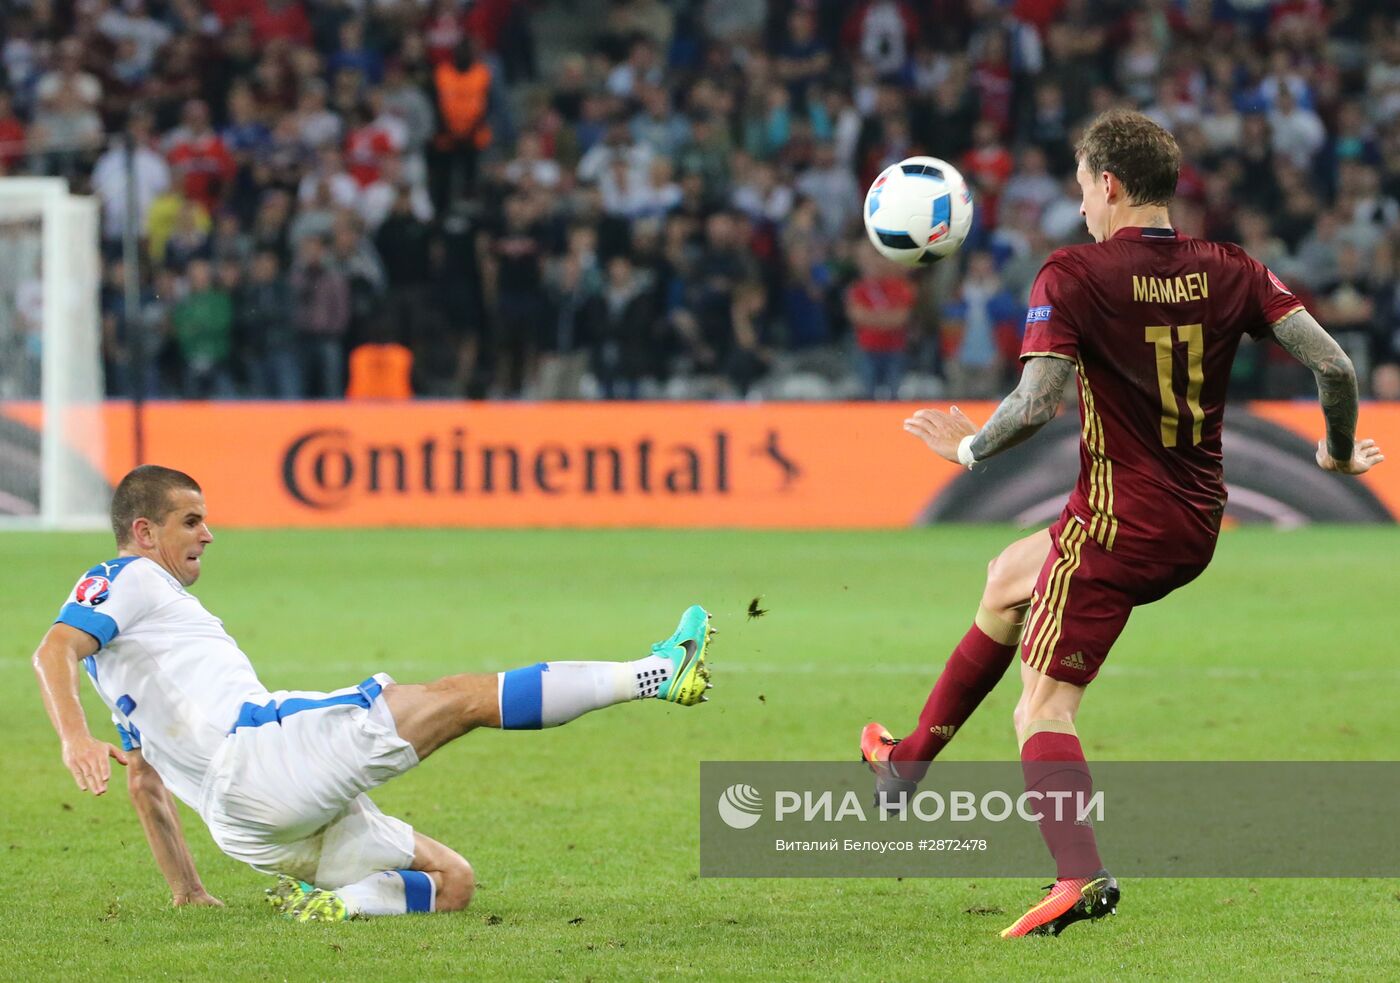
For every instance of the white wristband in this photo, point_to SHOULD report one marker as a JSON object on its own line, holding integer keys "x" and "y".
{"x": 965, "y": 457}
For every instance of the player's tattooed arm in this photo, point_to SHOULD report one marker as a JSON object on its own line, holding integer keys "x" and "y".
{"x": 1306, "y": 340}
{"x": 1033, "y": 404}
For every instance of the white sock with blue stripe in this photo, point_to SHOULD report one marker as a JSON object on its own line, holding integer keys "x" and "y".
{"x": 389, "y": 892}
{"x": 548, "y": 694}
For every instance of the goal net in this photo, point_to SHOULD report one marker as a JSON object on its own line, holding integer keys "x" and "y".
{"x": 52, "y": 440}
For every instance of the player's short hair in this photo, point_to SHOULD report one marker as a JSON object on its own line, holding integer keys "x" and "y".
{"x": 1140, "y": 154}
{"x": 145, "y": 494}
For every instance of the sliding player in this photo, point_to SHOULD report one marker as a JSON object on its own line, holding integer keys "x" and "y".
{"x": 280, "y": 778}
{"x": 1148, "y": 320}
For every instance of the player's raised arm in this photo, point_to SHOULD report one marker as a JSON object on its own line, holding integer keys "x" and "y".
{"x": 56, "y": 664}
{"x": 1303, "y": 338}
{"x": 1033, "y": 403}
{"x": 155, "y": 807}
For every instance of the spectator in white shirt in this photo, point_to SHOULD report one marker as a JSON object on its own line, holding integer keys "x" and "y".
{"x": 1221, "y": 123}
{"x": 109, "y": 178}
{"x": 832, "y": 187}
{"x": 330, "y": 168}
{"x": 376, "y": 201}
{"x": 531, "y": 167}
{"x": 69, "y": 77}
{"x": 641, "y": 67}
{"x": 317, "y": 125}
{"x": 1297, "y": 132}
{"x": 132, "y": 22}
{"x": 1031, "y": 183}
{"x": 1061, "y": 221}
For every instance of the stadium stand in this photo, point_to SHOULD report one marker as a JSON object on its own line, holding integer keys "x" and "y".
{"x": 638, "y": 198}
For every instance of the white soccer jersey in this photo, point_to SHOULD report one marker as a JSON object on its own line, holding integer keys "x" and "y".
{"x": 173, "y": 678}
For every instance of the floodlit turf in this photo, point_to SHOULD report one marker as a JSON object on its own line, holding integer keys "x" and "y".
{"x": 585, "y": 838}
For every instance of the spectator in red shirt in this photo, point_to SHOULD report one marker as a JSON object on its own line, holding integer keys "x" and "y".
{"x": 443, "y": 31}
{"x": 987, "y": 166}
{"x": 231, "y": 12}
{"x": 991, "y": 80}
{"x": 279, "y": 20}
{"x": 11, "y": 135}
{"x": 366, "y": 146}
{"x": 200, "y": 152}
{"x": 879, "y": 304}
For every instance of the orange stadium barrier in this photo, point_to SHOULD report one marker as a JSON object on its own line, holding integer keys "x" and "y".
{"x": 783, "y": 465}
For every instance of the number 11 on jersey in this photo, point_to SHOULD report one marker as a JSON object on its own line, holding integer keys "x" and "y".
{"x": 1164, "y": 338}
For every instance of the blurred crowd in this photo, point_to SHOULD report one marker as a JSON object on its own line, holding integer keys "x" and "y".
{"x": 661, "y": 198}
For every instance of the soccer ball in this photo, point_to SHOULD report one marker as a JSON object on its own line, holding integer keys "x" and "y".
{"x": 918, "y": 211}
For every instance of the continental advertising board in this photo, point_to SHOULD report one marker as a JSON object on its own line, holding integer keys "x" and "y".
{"x": 661, "y": 464}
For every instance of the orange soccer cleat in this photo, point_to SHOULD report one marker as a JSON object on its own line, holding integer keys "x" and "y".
{"x": 1071, "y": 899}
{"x": 891, "y": 791}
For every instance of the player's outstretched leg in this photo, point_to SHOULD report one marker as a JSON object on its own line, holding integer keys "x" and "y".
{"x": 548, "y": 694}
{"x": 977, "y": 664}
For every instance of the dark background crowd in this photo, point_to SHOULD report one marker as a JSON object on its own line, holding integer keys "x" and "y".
{"x": 661, "y": 198}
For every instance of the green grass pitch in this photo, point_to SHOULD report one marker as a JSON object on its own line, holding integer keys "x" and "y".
{"x": 584, "y": 838}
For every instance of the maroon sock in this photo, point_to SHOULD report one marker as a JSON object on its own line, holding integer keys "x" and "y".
{"x": 1053, "y": 762}
{"x": 973, "y": 670}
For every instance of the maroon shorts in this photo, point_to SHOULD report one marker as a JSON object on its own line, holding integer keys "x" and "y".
{"x": 1082, "y": 600}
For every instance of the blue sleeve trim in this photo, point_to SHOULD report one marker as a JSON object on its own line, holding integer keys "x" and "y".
{"x": 417, "y": 890}
{"x": 112, "y": 568}
{"x": 95, "y": 623}
{"x": 522, "y": 700}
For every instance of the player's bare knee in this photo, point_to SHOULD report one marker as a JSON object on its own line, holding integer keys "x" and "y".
{"x": 1002, "y": 595}
{"x": 458, "y": 885}
{"x": 473, "y": 698}
{"x": 996, "y": 578}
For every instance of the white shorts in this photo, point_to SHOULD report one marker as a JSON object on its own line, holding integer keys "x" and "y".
{"x": 287, "y": 795}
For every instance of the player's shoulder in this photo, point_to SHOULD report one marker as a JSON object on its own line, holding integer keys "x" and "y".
{"x": 1074, "y": 261}
{"x": 1074, "y": 256}
{"x": 113, "y": 568}
{"x": 123, "y": 572}
{"x": 1229, "y": 253}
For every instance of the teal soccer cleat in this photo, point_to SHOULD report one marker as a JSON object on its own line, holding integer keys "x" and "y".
{"x": 690, "y": 677}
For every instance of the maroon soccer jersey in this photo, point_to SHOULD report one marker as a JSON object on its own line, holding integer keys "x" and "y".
{"x": 1152, "y": 319}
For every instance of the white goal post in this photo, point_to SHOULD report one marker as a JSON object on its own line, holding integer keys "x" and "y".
{"x": 52, "y": 433}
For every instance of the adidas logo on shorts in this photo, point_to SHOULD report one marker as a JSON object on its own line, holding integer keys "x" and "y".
{"x": 1075, "y": 660}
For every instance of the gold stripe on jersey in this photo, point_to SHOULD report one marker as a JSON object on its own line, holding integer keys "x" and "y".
{"x": 1056, "y": 588}
{"x": 1089, "y": 434}
{"x": 1278, "y": 320}
{"x": 1067, "y": 358}
{"x": 1053, "y": 625}
{"x": 1103, "y": 524}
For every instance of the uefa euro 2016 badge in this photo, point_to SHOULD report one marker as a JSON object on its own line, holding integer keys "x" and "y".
{"x": 92, "y": 591}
